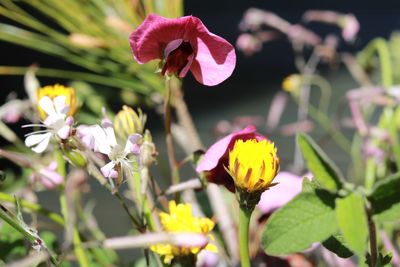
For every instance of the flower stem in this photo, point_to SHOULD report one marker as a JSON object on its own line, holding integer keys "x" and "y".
{"x": 372, "y": 237}
{"x": 244, "y": 222}
{"x": 168, "y": 136}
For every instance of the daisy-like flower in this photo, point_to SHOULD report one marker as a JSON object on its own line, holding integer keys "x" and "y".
{"x": 57, "y": 123}
{"x": 181, "y": 220}
{"x": 53, "y": 91}
{"x": 106, "y": 143}
{"x": 217, "y": 157}
{"x": 183, "y": 44}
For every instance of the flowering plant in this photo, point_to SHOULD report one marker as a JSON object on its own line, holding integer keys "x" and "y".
{"x": 248, "y": 203}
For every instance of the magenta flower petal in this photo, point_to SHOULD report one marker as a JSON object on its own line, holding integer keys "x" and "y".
{"x": 215, "y": 59}
{"x": 216, "y": 156}
{"x": 277, "y": 196}
{"x": 184, "y": 44}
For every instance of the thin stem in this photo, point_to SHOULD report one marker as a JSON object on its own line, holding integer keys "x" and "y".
{"x": 33, "y": 207}
{"x": 244, "y": 223}
{"x": 168, "y": 136}
{"x": 32, "y": 236}
{"x": 185, "y": 119}
{"x": 372, "y": 237}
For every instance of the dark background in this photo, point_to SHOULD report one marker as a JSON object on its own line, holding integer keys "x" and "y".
{"x": 377, "y": 18}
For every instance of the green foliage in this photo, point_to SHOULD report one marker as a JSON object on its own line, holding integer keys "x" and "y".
{"x": 385, "y": 199}
{"x": 12, "y": 244}
{"x": 325, "y": 172}
{"x": 92, "y": 35}
{"x": 336, "y": 244}
{"x": 352, "y": 221}
{"x": 308, "y": 218}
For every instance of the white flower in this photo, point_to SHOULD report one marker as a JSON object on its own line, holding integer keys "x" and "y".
{"x": 57, "y": 123}
{"x": 106, "y": 143}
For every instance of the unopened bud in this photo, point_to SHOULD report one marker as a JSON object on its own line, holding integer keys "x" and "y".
{"x": 75, "y": 157}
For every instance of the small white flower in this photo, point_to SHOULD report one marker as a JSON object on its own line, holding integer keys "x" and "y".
{"x": 106, "y": 143}
{"x": 57, "y": 123}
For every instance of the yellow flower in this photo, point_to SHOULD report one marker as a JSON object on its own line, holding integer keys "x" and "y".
{"x": 53, "y": 91}
{"x": 253, "y": 164}
{"x": 292, "y": 83}
{"x": 180, "y": 220}
{"x": 128, "y": 122}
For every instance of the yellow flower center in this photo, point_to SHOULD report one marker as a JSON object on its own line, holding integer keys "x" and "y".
{"x": 253, "y": 164}
{"x": 52, "y": 91}
{"x": 181, "y": 220}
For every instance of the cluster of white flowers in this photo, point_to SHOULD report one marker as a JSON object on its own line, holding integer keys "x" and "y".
{"x": 58, "y": 126}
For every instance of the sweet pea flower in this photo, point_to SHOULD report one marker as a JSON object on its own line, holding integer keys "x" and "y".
{"x": 217, "y": 156}
{"x": 183, "y": 44}
{"x": 57, "y": 123}
{"x": 106, "y": 143}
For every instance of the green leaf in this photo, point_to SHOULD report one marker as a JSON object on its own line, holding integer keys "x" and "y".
{"x": 336, "y": 244}
{"x": 325, "y": 172}
{"x": 309, "y": 186}
{"x": 308, "y": 218}
{"x": 385, "y": 199}
{"x": 352, "y": 221}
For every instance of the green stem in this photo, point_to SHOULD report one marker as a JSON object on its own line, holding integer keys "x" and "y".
{"x": 33, "y": 207}
{"x": 168, "y": 136}
{"x": 244, "y": 223}
{"x": 326, "y": 123}
{"x": 32, "y": 236}
{"x": 379, "y": 46}
{"x": 78, "y": 250}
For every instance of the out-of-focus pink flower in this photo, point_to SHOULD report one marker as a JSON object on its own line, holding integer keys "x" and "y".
{"x": 13, "y": 110}
{"x": 350, "y": 27}
{"x": 85, "y": 134}
{"x": 184, "y": 44}
{"x": 48, "y": 176}
{"x": 207, "y": 259}
{"x": 217, "y": 156}
{"x": 248, "y": 44}
{"x": 277, "y": 196}
{"x": 348, "y": 22}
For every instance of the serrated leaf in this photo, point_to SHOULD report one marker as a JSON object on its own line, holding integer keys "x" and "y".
{"x": 385, "y": 199}
{"x": 336, "y": 244}
{"x": 352, "y": 221}
{"x": 306, "y": 219}
{"x": 325, "y": 172}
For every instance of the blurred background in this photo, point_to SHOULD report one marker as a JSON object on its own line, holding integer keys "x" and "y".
{"x": 247, "y": 93}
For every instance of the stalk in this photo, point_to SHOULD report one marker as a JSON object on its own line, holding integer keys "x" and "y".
{"x": 244, "y": 223}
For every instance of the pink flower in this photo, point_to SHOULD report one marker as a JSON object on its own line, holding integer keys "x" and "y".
{"x": 48, "y": 176}
{"x": 277, "y": 196}
{"x": 350, "y": 27}
{"x": 184, "y": 44}
{"x": 217, "y": 155}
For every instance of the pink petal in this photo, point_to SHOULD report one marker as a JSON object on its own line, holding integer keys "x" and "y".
{"x": 216, "y": 156}
{"x": 64, "y": 132}
{"x": 108, "y": 170}
{"x": 289, "y": 186}
{"x": 157, "y": 37}
{"x": 215, "y": 59}
{"x": 50, "y": 178}
{"x": 149, "y": 40}
{"x": 131, "y": 144}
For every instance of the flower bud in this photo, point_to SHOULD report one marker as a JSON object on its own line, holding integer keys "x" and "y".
{"x": 253, "y": 165}
{"x": 52, "y": 91}
{"x": 75, "y": 157}
{"x": 128, "y": 122}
